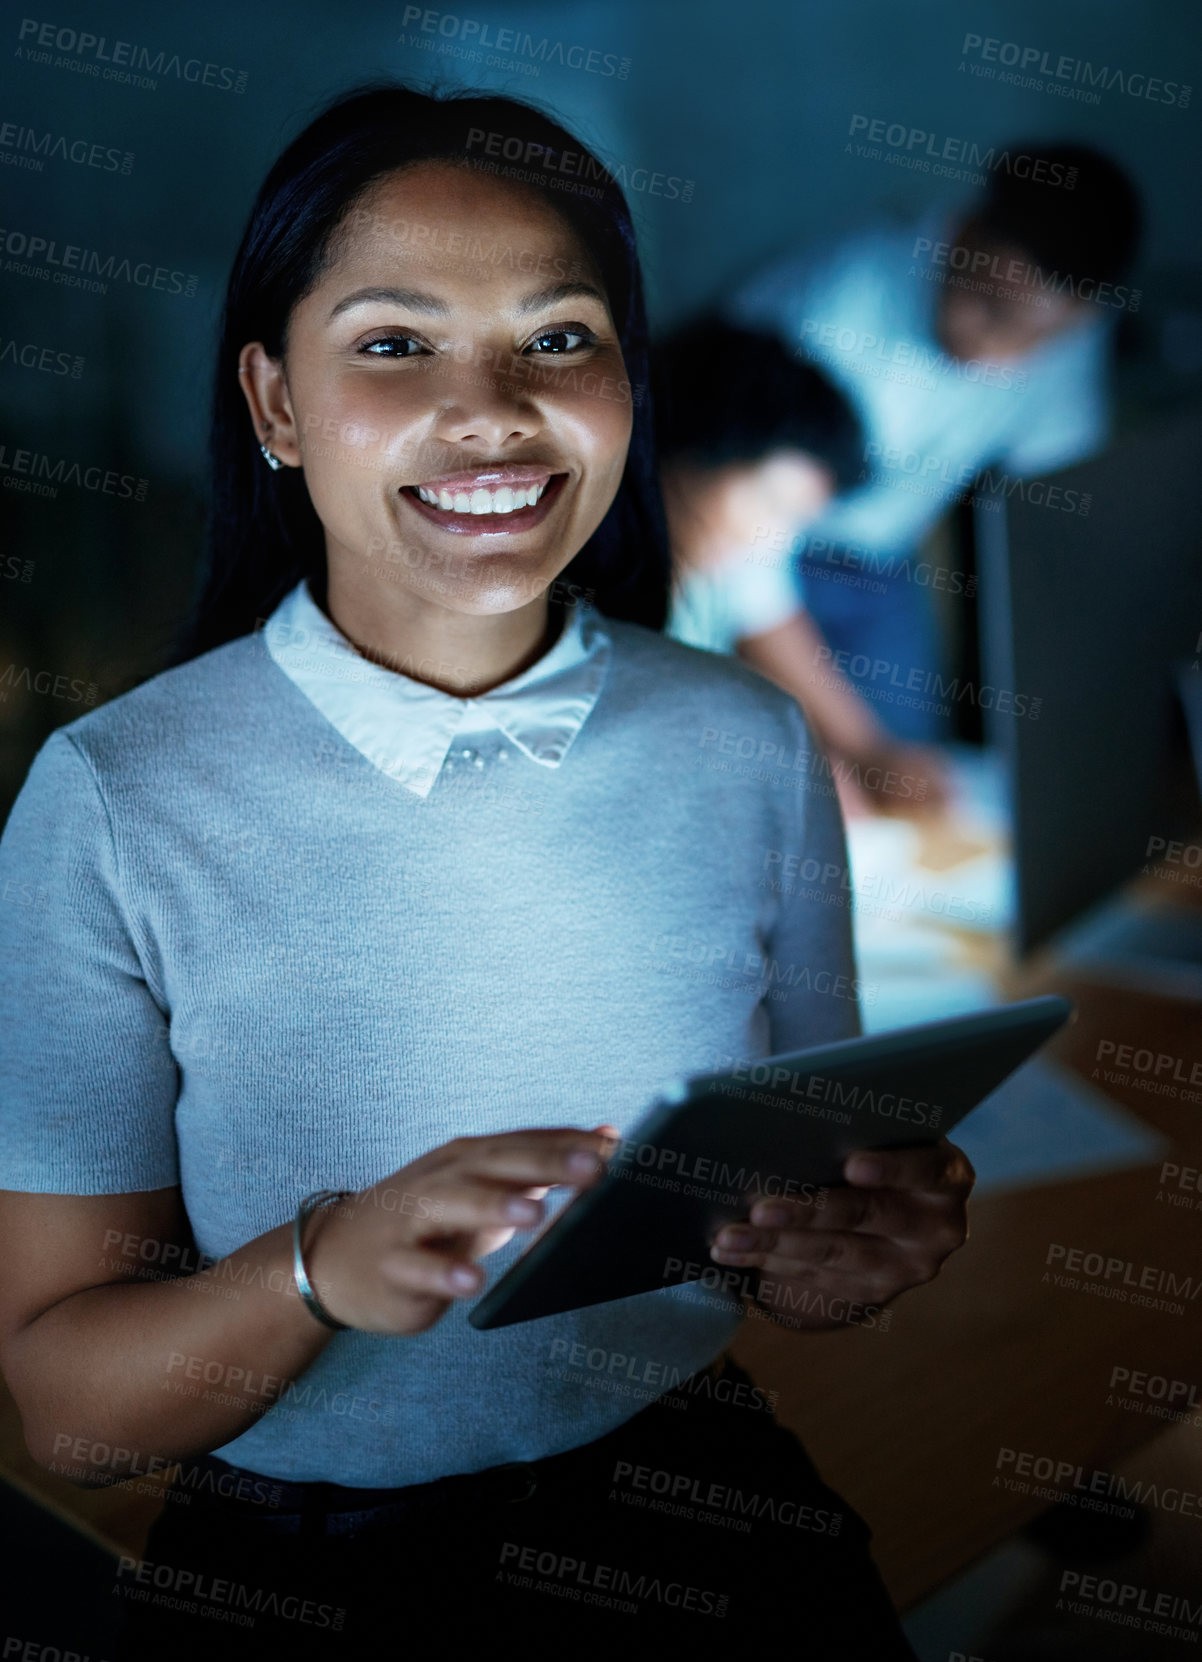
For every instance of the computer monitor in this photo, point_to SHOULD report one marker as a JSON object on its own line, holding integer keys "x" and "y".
{"x": 1189, "y": 690}
{"x": 1088, "y": 593}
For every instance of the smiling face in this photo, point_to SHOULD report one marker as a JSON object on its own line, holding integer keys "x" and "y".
{"x": 454, "y": 390}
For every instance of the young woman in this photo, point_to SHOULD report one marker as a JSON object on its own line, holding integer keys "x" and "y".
{"x": 428, "y": 855}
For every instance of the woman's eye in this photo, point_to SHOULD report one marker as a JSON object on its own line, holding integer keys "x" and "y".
{"x": 391, "y": 346}
{"x": 555, "y": 341}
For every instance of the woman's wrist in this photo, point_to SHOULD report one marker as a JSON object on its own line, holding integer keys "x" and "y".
{"x": 313, "y": 1211}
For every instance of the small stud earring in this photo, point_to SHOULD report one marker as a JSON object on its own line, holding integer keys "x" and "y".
{"x": 273, "y": 462}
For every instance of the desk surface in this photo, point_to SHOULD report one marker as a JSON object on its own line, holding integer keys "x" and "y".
{"x": 908, "y": 1425}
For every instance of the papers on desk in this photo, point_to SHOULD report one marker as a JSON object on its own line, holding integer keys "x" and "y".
{"x": 913, "y": 973}
{"x": 923, "y": 895}
{"x": 1046, "y": 1124}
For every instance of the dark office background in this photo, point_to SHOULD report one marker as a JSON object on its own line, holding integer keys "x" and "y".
{"x": 751, "y": 102}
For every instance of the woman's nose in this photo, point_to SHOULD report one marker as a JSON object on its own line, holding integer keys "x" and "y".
{"x": 486, "y": 408}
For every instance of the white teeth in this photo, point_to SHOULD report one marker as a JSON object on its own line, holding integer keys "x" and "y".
{"x": 503, "y": 500}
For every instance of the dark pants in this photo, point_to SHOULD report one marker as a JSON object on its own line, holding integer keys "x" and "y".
{"x": 700, "y": 1523}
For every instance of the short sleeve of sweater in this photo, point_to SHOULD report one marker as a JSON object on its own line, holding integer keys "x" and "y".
{"x": 88, "y": 1084}
{"x": 812, "y": 968}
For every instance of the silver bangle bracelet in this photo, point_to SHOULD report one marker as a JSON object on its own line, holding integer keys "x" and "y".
{"x": 310, "y": 1204}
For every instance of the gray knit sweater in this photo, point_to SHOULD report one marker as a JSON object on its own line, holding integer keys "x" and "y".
{"x": 241, "y": 958}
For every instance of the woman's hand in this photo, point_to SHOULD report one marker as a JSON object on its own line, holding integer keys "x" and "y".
{"x": 903, "y": 1213}
{"x": 392, "y": 1258}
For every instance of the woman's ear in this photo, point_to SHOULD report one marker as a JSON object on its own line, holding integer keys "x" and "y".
{"x": 266, "y": 392}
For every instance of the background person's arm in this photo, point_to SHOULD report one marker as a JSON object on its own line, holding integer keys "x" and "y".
{"x": 885, "y": 774}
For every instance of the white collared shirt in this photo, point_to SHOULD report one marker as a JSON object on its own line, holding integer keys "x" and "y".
{"x": 405, "y": 727}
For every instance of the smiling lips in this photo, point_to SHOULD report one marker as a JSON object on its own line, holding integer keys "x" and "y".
{"x": 476, "y": 502}
{"x": 503, "y": 500}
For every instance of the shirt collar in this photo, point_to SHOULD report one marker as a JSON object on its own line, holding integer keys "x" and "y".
{"x": 404, "y": 727}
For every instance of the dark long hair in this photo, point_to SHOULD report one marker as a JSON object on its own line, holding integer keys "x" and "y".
{"x": 264, "y": 534}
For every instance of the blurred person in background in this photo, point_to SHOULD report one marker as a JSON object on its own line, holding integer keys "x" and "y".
{"x": 754, "y": 446}
{"x": 976, "y": 340}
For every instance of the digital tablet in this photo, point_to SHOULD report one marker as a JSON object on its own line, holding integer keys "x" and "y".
{"x": 783, "y": 1126}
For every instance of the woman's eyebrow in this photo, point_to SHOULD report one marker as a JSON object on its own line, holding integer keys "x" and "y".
{"x": 413, "y": 300}
{"x": 416, "y": 300}
{"x": 555, "y": 293}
